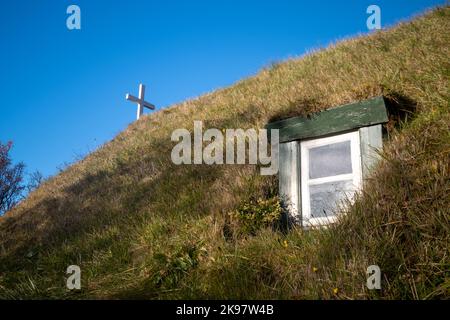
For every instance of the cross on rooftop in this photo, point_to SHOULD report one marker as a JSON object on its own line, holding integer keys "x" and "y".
{"x": 140, "y": 101}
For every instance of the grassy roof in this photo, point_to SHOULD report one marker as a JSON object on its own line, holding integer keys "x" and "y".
{"x": 141, "y": 227}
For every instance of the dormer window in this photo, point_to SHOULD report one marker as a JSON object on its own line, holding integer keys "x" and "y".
{"x": 330, "y": 174}
{"x": 324, "y": 159}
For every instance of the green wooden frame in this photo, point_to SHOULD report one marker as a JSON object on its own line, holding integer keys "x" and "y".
{"x": 365, "y": 117}
{"x": 339, "y": 119}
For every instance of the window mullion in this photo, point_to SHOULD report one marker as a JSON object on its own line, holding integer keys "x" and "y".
{"x": 339, "y": 177}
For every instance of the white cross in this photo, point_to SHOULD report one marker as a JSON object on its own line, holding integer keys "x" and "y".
{"x": 140, "y": 101}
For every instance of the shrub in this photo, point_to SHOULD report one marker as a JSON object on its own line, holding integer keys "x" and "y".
{"x": 11, "y": 178}
{"x": 252, "y": 216}
{"x": 172, "y": 268}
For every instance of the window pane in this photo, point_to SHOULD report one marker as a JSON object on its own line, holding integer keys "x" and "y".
{"x": 326, "y": 196}
{"x": 330, "y": 160}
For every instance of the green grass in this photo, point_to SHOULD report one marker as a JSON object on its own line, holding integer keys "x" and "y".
{"x": 141, "y": 227}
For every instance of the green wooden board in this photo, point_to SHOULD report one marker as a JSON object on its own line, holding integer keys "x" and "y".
{"x": 334, "y": 120}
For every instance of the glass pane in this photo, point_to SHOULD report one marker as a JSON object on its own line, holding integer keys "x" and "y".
{"x": 330, "y": 160}
{"x": 326, "y": 196}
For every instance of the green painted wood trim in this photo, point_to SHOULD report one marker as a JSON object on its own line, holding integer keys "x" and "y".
{"x": 334, "y": 120}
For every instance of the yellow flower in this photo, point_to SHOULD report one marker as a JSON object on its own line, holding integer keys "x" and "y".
{"x": 315, "y": 269}
{"x": 434, "y": 165}
{"x": 335, "y": 290}
{"x": 285, "y": 244}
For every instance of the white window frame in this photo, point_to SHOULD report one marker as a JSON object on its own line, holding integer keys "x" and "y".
{"x": 355, "y": 176}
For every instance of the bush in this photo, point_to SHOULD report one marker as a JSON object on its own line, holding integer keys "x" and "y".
{"x": 11, "y": 178}
{"x": 172, "y": 268}
{"x": 252, "y": 216}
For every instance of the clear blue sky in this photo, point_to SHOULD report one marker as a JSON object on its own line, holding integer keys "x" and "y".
{"x": 62, "y": 92}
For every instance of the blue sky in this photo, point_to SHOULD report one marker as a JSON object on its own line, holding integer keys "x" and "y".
{"x": 62, "y": 92}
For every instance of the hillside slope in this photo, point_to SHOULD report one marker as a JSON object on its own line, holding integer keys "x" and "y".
{"x": 141, "y": 227}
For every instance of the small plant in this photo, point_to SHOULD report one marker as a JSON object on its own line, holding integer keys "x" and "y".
{"x": 252, "y": 216}
{"x": 172, "y": 268}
